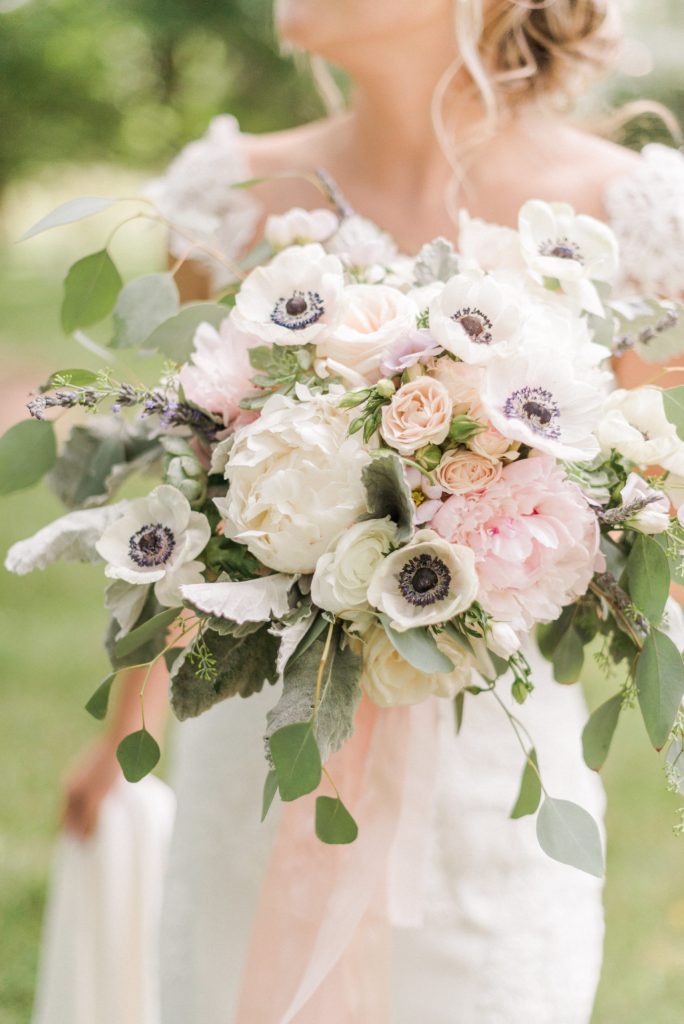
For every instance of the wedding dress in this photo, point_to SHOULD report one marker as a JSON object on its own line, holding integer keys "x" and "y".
{"x": 508, "y": 935}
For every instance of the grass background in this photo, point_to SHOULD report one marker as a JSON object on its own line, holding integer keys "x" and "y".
{"x": 51, "y": 659}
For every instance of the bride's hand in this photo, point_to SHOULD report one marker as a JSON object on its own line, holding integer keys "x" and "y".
{"x": 86, "y": 786}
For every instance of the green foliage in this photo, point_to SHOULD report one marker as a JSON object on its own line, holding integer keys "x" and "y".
{"x": 27, "y": 451}
{"x": 569, "y": 834}
{"x": 648, "y": 577}
{"x": 90, "y": 290}
{"x": 598, "y": 733}
{"x": 673, "y": 401}
{"x": 69, "y": 378}
{"x": 144, "y": 653}
{"x": 462, "y": 428}
{"x": 99, "y": 702}
{"x": 67, "y": 213}
{"x": 296, "y": 760}
{"x": 173, "y": 337}
{"x": 280, "y": 368}
{"x": 340, "y": 693}
{"x": 530, "y": 791}
{"x": 152, "y": 628}
{"x": 562, "y": 645}
{"x": 419, "y": 647}
{"x": 224, "y": 555}
{"x": 459, "y": 709}
{"x": 143, "y": 305}
{"x": 243, "y": 664}
{"x": 334, "y": 823}
{"x": 270, "y": 790}
{"x": 388, "y": 494}
{"x": 659, "y": 680}
{"x": 138, "y": 753}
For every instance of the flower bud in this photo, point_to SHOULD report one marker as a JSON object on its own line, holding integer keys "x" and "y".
{"x": 502, "y": 639}
{"x": 429, "y": 457}
{"x": 385, "y": 388}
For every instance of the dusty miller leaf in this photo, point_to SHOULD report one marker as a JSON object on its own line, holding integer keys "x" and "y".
{"x": 388, "y": 493}
{"x": 436, "y": 261}
{"x": 71, "y": 538}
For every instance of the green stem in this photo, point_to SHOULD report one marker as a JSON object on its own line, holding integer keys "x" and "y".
{"x": 517, "y": 725}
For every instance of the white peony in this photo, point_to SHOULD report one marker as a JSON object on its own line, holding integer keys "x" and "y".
{"x": 342, "y": 575}
{"x": 428, "y": 581}
{"x": 573, "y": 248}
{"x": 294, "y": 299}
{"x": 476, "y": 317}
{"x": 156, "y": 540}
{"x": 295, "y": 482}
{"x": 218, "y": 374}
{"x": 635, "y": 424}
{"x": 389, "y": 680}
{"x": 654, "y": 517}
{"x": 371, "y": 318}
{"x": 300, "y": 227}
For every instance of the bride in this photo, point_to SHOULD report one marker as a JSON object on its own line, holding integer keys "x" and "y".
{"x": 456, "y": 104}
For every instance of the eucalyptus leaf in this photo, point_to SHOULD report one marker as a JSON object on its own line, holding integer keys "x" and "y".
{"x": 76, "y": 378}
{"x": 659, "y": 680}
{"x": 27, "y": 451}
{"x": 567, "y": 833}
{"x": 530, "y": 790}
{"x": 138, "y": 753}
{"x": 673, "y": 401}
{"x": 296, "y": 760}
{"x": 459, "y": 708}
{"x": 243, "y": 664}
{"x": 151, "y": 628}
{"x": 90, "y": 290}
{"x": 174, "y": 337}
{"x": 418, "y": 647}
{"x": 568, "y": 657}
{"x": 597, "y": 735}
{"x": 648, "y": 577}
{"x": 388, "y": 493}
{"x": 98, "y": 703}
{"x": 550, "y": 635}
{"x": 143, "y": 304}
{"x": 334, "y": 823}
{"x": 67, "y": 213}
{"x": 270, "y": 790}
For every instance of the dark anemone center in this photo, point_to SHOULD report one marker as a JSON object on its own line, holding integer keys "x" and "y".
{"x": 296, "y": 305}
{"x": 298, "y": 310}
{"x": 472, "y": 325}
{"x": 563, "y": 252}
{"x": 151, "y": 545}
{"x": 475, "y": 323}
{"x": 538, "y": 411}
{"x": 424, "y": 579}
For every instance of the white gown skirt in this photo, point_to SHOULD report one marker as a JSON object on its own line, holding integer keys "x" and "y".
{"x": 509, "y": 935}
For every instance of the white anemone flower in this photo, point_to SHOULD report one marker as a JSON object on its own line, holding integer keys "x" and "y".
{"x": 546, "y": 400}
{"x": 575, "y": 249}
{"x": 300, "y": 227}
{"x": 476, "y": 317}
{"x": 156, "y": 540}
{"x": 428, "y": 581}
{"x": 294, "y": 299}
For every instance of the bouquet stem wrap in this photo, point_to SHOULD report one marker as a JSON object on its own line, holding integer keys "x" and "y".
{"x": 321, "y": 943}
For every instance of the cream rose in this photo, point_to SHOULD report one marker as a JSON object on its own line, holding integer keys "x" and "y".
{"x": 428, "y": 581}
{"x": 419, "y": 414}
{"x": 462, "y": 472}
{"x": 371, "y": 319}
{"x": 493, "y": 445}
{"x": 389, "y": 680}
{"x": 295, "y": 482}
{"x": 462, "y": 381}
{"x": 341, "y": 579}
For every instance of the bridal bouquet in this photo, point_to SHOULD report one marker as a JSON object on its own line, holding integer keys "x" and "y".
{"x": 378, "y": 475}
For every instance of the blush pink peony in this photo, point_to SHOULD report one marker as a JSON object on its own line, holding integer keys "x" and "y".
{"x": 218, "y": 375}
{"x": 534, "y": 537}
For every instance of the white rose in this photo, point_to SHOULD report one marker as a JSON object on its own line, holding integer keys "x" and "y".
{"x": 299, "y": 227}
{"x": 635, "y": 424}
{"x": 428, "y": 581}
{"x": 654, "y": 517}
{"x": 389, "y": 680}
{"x": 295, "y": 482}
{"x": 371, "y": 318}
{"x": 341, "y": 579}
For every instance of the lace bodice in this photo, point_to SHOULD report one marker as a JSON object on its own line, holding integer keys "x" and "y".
{"x": 645, "y": 208}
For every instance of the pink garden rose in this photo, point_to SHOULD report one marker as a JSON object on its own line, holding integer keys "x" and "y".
{"x": 463, "y": 472}
{"x": 493, "y": 445}
{"x": 219, "y": 374}
{"x": 534, "y": 537}
{"x": 419, "y": 414}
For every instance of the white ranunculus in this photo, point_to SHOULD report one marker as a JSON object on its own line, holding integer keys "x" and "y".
{"x": 300, "y": 227}
{"x": 428, "y": 581}
{"x": 342, "y": 575}
{"x": 294, "y": 299}
{"x": 360, "y": 243}
{"x": 654, "y": 517}
{"x": 156, "y": 540}
{"x": 573, "y": 248}
{"x": 635, "y": 424}
{"x": 389, "y": 680}
{"x": 476, "y": 317}
{"x": 371, "y": 318}
{"x": 547, "y": 394}
{"x": 295, "y": 482}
